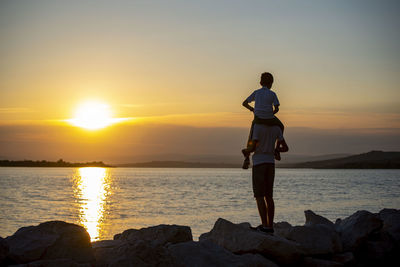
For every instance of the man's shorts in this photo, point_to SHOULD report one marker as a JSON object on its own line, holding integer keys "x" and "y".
{"x": 263, "y": 179}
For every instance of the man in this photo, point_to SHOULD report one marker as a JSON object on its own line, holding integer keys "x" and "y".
{"x": 267, "y": 139}
{"x": 265, "y": 107}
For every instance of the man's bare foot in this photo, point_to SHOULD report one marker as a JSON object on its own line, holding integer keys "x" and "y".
{"x": 246, "y": 163}
{"x": 277, "y": 154}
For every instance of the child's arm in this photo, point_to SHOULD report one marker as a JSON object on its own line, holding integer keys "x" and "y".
{"x": 276, "y": 104}
{"x": 246, "y": 105}
{"x": 276, "y": 109}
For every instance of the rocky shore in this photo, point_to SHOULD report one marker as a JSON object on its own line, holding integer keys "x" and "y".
{"x": 362, "y": 239}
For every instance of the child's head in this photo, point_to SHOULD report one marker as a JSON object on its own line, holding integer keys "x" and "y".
{"x": 267, "y": 79}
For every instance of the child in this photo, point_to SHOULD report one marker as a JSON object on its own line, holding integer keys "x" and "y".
{"x": 266, "y": 105}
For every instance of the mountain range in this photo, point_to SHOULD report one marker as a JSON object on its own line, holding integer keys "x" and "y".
{"x": 370, "y": 160}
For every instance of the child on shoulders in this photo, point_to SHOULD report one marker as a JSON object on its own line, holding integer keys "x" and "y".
{"x": 265, "y": 107}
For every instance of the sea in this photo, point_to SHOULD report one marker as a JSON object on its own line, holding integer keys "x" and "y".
{"x": 107, "y": 201}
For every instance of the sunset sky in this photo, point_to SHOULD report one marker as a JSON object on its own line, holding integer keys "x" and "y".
{"x": 176, "y": 73}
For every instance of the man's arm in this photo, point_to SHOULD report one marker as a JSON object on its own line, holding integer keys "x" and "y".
{"x": 282, "y": 146}
{"x": 276, "y": 109}
{"x": 246, "y": 105}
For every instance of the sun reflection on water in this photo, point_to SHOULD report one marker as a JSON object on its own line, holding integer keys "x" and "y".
{"x": 92, "y": 188}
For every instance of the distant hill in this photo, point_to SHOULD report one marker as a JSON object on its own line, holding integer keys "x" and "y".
{"x": 235, "y": 159}
{"x": 179, "y": 164}
{"x": 370, "y": 160}
{"x": 288, "y": 158}
{"x": 44, "y": 163}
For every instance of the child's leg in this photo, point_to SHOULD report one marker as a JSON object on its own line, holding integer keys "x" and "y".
{"x": 279, "y": 123}
{"x": 271, "y": 122}
{"x": 249, "y": 148}
{"x": 250, "y": 144}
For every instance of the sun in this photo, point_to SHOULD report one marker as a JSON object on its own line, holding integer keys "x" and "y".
{"x": 93, "y": 116}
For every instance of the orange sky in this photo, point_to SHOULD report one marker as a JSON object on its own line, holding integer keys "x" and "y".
{"x": 336, "y": 65}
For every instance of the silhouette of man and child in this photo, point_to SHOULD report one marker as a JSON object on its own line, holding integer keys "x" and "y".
{"x": 266, "y": 142}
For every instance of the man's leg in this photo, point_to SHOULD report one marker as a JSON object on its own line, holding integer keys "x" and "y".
{"x": 258, "y": 173}
{"x": 262, "y": 210}
{"x": 269, "y": 190}
{"x": 270, "y": 211}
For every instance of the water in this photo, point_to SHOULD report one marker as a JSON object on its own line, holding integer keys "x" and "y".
{"x": 108, "y": 201}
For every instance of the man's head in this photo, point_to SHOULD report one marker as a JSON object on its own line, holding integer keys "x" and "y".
{"x": 267, "y": 79}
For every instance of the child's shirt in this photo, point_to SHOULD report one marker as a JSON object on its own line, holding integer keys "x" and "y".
{"x": 265, "y": 99}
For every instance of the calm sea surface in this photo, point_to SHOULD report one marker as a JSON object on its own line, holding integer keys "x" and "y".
{"x": 108, "y": 201}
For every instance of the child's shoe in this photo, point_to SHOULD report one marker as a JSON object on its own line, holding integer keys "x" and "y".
{"x": 246, "y": 163}
{"x": 245, "y": 152}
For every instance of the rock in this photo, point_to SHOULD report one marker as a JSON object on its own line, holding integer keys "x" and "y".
{"x": 50, "y": 240}
{"x": 312, "y": 262}
{"x": 346, "y": 258}
{"x": 132, "y": 252}
{"x": 316, "y": 239}
{"x": 206, "y": 253}
{"x": 54, "y": 263}
{"x": 159, "y": 235}
{"x": 245, "y": 225}
{"x": 106, "y": 244}
{"x": 282, "y": 229}
{"x": 313, "y": 219}
{"x": 355, "y": 229}
{"x": 376, "y": 250}
{"x": 391, "y": 223}
{"x": 3, "y": 250}
{"x": 240, "y": 240}
{"x": 105, "y": 251}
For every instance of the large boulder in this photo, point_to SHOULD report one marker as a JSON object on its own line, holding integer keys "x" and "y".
{"x": 355, "y": 229}
{"x": 345, "y": 258}
{"x": 158, "y": 235}
{"x": 282, "y": 229}
{"x": 378, "y": 250}
{"x": 105, "y": 251}
{"x": 313, "y": 262}
{"x": 143, "y": 247}
{"x": 50, "y": 240}
{"x": 242, "y": 240}
{"x": 316, "y": 239}
{"x": 391, "y": 223}
{"x": 205, "y": 253}
{"x": 133, "y": 252}
{"x": 3, "y": 250}
{"x": 54, "y": 263}
{"x": 314, "y": 219}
